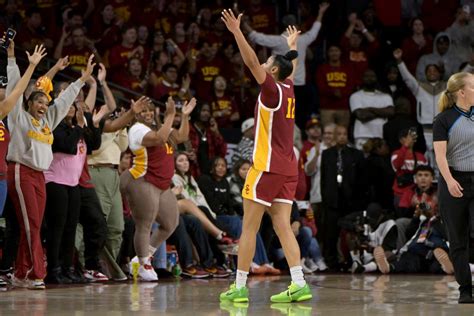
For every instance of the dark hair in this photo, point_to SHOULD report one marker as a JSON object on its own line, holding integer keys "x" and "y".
{"x": 126, "y": 152}
{"x": 29, "y": 13}
{"x": 432, "y": 65}
{"x": 404, "y": 132}
{"x": 412, "y": 21}
{"x": 196, "y": 113}
{"x": 424, "y": 168}
{"x": 73, "y": 13}
{"x": 444, "y": 38}
{"x": 167, "y": 66}
{"x": 186, "y": 176}
{"x": 35, "y": 95}
{"x": 127, "y": 27}
{"x": 78, "y": 27}
{"x": 214, "y": 164}
{"x": 238, "y": 165}
{"x": 284, "y": 64}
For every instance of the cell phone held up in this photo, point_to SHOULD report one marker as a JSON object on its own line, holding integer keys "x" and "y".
{"x": 9, "y": 36}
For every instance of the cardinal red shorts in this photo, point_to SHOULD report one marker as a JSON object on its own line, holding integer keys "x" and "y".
{"x": 266, "y": 188}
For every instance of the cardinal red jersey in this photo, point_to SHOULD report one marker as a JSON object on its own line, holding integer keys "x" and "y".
{"x": 275, "y": 120}
{"x": 155, "y": 163}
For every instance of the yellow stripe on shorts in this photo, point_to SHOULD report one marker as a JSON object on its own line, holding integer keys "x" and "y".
{"x": 251, "y": 183}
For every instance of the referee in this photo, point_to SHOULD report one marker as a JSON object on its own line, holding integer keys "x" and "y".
{"x": 453, "y": 136}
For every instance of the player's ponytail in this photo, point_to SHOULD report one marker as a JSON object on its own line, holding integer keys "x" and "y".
{"x": 292, "y": 54}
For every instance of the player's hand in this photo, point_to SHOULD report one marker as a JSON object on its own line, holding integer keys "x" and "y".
{"x": 292, "y": 37}
{"x": 397, "y": 54}
{"x": 37, "y": 55}
{"x": 231, "y": 22}
{"x": 188, "y": 107}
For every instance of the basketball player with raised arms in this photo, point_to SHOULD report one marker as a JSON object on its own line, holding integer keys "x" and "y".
{"x": 271, "y": 181}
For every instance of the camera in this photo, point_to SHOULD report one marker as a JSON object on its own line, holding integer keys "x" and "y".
{"x": 9, "y": 36}
{"x": 424, "y": 207}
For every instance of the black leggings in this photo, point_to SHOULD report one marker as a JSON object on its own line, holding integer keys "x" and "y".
{"x": 94, "y": 227}
{"x": 63, "y": 204}
{"x": 456, "y": 215}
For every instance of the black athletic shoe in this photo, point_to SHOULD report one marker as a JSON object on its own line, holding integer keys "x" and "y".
{"x": 55, "y": 276}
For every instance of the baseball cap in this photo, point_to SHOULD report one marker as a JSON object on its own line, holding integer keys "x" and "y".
{"x": 312, "y": 122}
{"x": 44, "y": 84}
{"x": 247, "y": 124}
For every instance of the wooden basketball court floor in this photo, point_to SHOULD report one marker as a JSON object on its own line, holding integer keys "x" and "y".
{"x": 333, "y": 294}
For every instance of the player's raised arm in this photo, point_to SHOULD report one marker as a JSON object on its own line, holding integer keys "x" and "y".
{"x": 292, "y": 40}
{"x": 248, "y": 55}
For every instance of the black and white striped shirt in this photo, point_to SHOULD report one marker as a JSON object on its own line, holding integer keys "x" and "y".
{"x": 457, "y": 128}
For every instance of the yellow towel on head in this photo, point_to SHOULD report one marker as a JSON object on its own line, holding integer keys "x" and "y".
{"x": 44, "y": 84}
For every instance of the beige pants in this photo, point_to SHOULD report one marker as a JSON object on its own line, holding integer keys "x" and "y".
{"x": 149, "y": 204}
{"x": 339, "y": 117}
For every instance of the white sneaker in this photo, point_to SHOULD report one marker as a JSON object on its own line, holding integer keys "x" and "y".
{"x": 305, "y": 268}
{"x": 19, "y": 282}
{"x": 311, "y": 265}
{"x": 37, "y": 284}
{"x": 95, "y": 276}
{"x": 321, "y": 265}
{"x": 147, "y": 273}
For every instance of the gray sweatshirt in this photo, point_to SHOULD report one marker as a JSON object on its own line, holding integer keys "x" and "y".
{"x": 279, "y": 47}
{"x": 31, "y": 140}
{"x": 427, "y": 95}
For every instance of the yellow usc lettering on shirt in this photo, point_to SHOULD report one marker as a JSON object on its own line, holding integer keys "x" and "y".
{"x": 260, "y": 20}
{"x": 78, "y": 60}
{"x": 43, "y": 138}
{"x": 221, "y": 105}
{"x": 2, "y": 134}
{"x": 209, "y": 72}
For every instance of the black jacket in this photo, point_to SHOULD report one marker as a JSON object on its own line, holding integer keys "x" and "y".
{"x": 217, "y": 194}
{"x": 66, "y": 137}
{"x": 354, "y": 183}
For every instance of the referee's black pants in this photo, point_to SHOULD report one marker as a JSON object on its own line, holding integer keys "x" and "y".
{"x": 456, "y": 215}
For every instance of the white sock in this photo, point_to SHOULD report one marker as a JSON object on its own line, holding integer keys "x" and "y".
{"x": 152, "y": 250}
{"x": 355, "y": 256}
{"x": 370, "y": 267}
{"x": 297, "y": 276}
{"x": 143, "y": 260}
{"x": 220, "y": 235}
{"x": 471, "y": 266}
{"x": 241, "y": 279}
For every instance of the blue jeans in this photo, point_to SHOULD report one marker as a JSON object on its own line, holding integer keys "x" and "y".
{"x": 159, "y": 257}
{"x": 3, "y": 195}
{"x": 308, "y": 244}
{"x": 233, "y": 225}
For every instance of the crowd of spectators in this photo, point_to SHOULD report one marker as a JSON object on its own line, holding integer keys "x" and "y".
{"x": 367, "y": 84}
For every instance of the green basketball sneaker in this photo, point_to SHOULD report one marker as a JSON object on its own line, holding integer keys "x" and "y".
{"x": 235, "y": 295}
{"x": 293, "y": 294}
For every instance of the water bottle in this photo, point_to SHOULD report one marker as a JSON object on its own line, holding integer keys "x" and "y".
{"x": 176, "y": 270}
